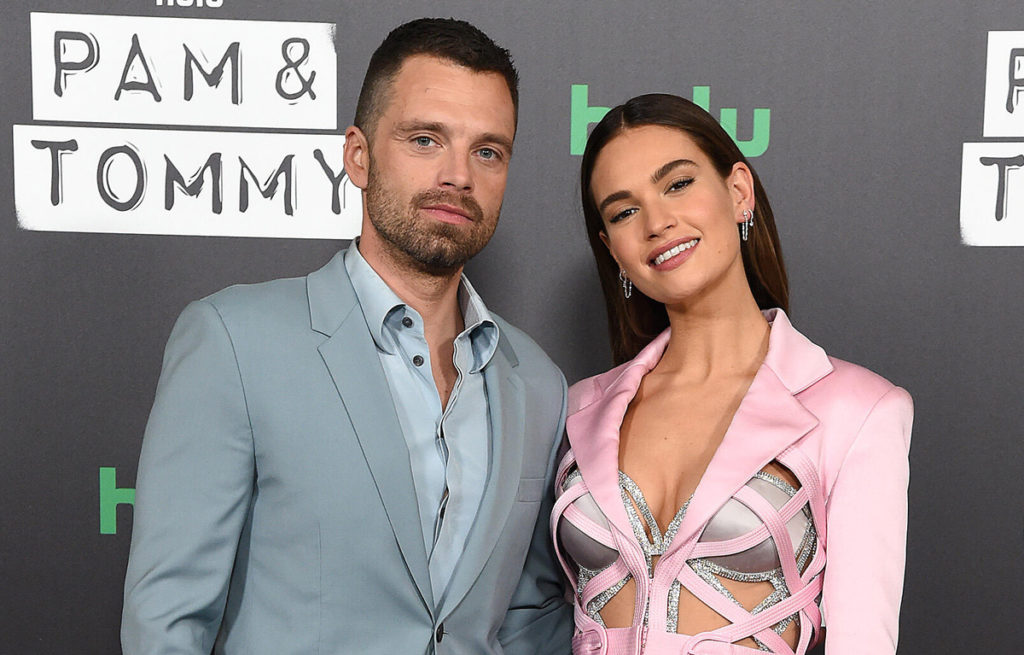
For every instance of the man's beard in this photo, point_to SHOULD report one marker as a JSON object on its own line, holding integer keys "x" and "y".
{"x": 434, "y": 247}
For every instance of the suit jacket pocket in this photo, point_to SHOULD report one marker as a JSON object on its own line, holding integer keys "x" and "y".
{"x": 531, "y": 490}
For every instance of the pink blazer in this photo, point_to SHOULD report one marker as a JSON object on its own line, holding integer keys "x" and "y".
{"x": 841, "y": 429}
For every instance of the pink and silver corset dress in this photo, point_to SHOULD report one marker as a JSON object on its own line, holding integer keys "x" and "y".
{"x": 764, "y": 533}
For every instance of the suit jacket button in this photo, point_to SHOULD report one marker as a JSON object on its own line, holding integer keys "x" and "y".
{"x": 440, "y": 633}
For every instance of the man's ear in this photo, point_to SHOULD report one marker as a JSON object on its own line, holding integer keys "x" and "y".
{"x": 357, "y": 156}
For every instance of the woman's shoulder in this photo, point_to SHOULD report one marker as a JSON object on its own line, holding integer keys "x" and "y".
{"x": 854, "y": 386}
{"x": 821, "y": 379}
{"x": 588, "y": 390}
{"x": 856, "y": 405}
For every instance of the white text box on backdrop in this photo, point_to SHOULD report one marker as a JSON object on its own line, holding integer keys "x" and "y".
{"x": 183, "y": 71}
{"x": 992, "y": 194}
{"x": 1004, "y": 85}
{"x": 145, "y": 181}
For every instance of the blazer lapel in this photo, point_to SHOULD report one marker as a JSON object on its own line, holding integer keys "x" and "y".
{"x": 769, "y": 419}
{"x": 351, "y": 358}
{"x": 506, "y": 408}
{"x": 594, "y": 436}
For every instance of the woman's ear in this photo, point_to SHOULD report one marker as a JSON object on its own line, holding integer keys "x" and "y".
{"x": 357, "y": 156}
{"x": 741, "y": 184}
{"x": 608, "y": 245}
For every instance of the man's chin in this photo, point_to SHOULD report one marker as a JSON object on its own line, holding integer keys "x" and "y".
{"x": 441, "y": 261}
{"x": 434, "y": 247}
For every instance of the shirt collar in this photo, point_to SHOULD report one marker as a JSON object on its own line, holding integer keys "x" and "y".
{"x": 480, "y": 326}
{"x": 378, "y": 301}
{"x": 376, "y": 298}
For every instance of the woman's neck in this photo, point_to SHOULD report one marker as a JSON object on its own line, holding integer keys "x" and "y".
{"x": 715, "y": 337}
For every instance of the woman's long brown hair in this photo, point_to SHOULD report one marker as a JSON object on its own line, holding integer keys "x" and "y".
{"x": 634, "y": 322}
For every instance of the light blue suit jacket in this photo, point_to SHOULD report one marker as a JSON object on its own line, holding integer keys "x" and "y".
{"x": 275, "y": 510}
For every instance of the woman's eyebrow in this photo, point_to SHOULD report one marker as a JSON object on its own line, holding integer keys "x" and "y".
{"x": 612, "y": 197}
{"x": 669, "y": 167}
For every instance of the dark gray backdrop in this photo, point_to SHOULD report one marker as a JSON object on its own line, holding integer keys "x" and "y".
{"x": 870, "y": 105}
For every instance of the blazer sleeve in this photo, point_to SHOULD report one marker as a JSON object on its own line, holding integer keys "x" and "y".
{"x": 195, "y": 481}
{"x": 539, "y": 622}
{"x": 867, "y": 533}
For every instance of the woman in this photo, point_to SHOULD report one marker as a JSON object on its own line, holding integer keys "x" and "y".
{"x": 728, "y": 488}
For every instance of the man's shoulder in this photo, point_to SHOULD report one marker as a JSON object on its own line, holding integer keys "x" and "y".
{"x": 279, "y": 297}
{"x": 268, "y": 311}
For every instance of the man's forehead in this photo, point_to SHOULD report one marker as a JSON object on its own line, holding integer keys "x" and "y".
{"x": 432, "y": 89}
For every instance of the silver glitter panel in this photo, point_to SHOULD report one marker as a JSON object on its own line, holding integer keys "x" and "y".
{"x": 597, "y": 604}
{"x": 656, "y": 545}
{"x": 672, "y": 623}
{"x": 571, "y": 479}
{"x": 583, "y": 578}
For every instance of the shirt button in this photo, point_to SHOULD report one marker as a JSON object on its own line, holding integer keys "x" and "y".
{"x": 417, "y": 360}
{"x": 440, "y": 633}
{"x": 407, "y": 322}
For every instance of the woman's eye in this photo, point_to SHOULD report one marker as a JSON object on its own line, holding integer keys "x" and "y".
{"x": 680, "y": 184}
{"x": 625, "y": 213}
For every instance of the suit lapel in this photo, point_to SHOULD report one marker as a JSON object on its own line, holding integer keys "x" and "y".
{"x": 351, "y": 358}
{"x": 506, "y": 409}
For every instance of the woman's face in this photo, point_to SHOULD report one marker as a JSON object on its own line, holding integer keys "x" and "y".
{"x": 670, "y": 220}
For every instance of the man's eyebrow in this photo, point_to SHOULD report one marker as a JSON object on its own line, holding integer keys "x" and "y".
{"x": 416, "y": 126}
{"x": 499, "y": 140}
{"x": 618, "y": 195}
{"x": 669, "y": 167}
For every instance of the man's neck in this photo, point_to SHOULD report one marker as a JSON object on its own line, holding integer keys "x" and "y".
{"x": 435, "y": 297}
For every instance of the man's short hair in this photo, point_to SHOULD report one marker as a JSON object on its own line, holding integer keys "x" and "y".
{"x": 445, "y": 38}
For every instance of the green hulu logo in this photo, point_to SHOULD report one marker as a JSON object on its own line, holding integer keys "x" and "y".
{"x": 111, "y": 496}
{"x": 583, "y": 115}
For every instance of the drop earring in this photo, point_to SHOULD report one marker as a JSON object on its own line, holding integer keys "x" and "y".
{"x": 748, "y": 222}
{"x": 627, "y": 284}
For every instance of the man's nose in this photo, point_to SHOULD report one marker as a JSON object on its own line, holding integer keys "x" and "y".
{"x": 455, "y": 171}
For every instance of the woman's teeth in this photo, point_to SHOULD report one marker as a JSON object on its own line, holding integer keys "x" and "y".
{"x": 672, "y": 252}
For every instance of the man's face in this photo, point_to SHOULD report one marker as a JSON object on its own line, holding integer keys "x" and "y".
{"x": 438, "y": 163}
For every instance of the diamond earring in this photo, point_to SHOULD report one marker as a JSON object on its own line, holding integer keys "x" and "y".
{"x": 748, "y": 222}
{"x": 627, "y": 284}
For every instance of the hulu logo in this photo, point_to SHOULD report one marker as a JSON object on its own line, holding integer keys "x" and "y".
{"x": 110, "y": 497}
{"x": 583, "y": 115}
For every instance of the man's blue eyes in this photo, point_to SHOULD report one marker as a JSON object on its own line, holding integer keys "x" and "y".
{"x": 485, "y": 153}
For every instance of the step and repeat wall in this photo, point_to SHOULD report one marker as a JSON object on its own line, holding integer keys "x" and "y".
{"x": 155, "y": 151}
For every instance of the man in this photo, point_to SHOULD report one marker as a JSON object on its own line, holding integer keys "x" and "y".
{"x": 359, "y": 461}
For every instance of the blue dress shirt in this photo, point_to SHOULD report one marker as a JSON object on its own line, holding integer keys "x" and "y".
{"x": 448, "y": 447}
